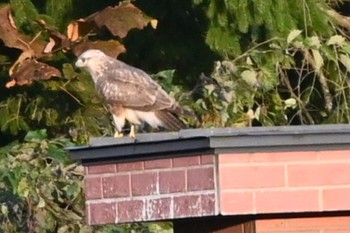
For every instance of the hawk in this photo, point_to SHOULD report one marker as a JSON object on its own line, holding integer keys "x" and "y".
{"x": 131, "y": 94}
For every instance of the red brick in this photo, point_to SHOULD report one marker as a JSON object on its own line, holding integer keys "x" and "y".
{"x": 144, "y": 183}
{"x": 186, "y": 161}
{"x": 318, "y": 174}
{"x": 208, "y": 204}
{"x": 207, "y": 159}
{"x": 159, "y": 163}
{"x": 334, "y": 155}
{"x": 93, "y": 188}
{"x": 200, "y": 179}
{"x": 324, "y": 222}
{"x": 336, "y": 199}
{"x": 132, "y": 166}
{"x": 130, "y": 211}
{"x": 333, "y": 224}
{"x": 101, "y": 169}
{"x": 116, "y": 186}
{"x": 102, "y": 213}
{"x": 236, "y": 202}
{"x": 172, "y": 181}
{"x": 286, "y": 201}
{"x": 187, "y": 206}
{"x": 254, "y": 176}
{"x": 270, "y": 157}
{"x": 158, "y": 209}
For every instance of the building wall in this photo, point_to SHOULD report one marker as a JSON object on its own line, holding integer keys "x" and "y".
{"x": 284, "y": 182}
{"x": 235, "y": 184}
{"x": 151, "y": 190}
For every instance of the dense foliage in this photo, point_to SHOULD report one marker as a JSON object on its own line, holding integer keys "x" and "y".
{"x": 236, "y": 63}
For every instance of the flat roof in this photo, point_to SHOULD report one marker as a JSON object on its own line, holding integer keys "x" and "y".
{"x": 213, "y": 141}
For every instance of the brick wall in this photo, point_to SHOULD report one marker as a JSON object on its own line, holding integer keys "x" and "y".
{"x": 151, "y": 190}
{"x": 227, "y": 184}
{"x": 284, "y": 182}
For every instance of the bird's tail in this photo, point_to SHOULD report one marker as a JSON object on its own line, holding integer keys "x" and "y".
{"x": 170, "y": 121}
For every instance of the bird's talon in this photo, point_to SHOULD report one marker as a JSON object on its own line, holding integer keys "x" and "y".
{"x": 132, "y": 132}
{"x": 118, "y": 135}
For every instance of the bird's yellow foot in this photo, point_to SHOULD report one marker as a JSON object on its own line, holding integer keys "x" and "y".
{"x": 118, "y": 135}
{"x": 132, "y": 133}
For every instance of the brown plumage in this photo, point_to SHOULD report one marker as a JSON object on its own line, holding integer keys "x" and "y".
{"x": 131, "y": 94}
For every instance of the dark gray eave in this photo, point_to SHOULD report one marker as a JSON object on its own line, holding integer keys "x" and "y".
{"x": 213, "y": 141}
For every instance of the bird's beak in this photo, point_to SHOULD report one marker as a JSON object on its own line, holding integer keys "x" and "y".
{"x": 79, "y": 63}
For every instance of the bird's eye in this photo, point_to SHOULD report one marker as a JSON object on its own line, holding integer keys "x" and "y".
{"x": 83, "y": 59}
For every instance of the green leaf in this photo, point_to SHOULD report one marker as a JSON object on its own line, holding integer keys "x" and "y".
{"x": 336, "y": 40}
{"x": 58, "y": 154}
{"x": 249, "y": 76}
{"x": 318, "y": 59}
{"x": 292, "y": 35}
{"x": 36, "y": 135}
{"x": 345, "y": 59}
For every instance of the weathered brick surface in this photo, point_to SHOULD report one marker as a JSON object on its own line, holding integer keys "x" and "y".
{"x": 186, "y": 206}
{"x": 205, "y": 185}
{"x": 154, "y": 190}
{"x": 117, "y": 185}
{"x": 186, "y": 161}
{"x": 208, "y": 202}
{"x": 158, "y": 163}
{"x": 160, "y": 208}
{"x": 93, "y": 188}
{"x": 144, "y": 183}
{"x": 102, "y": 169}
{"x": 129, "y": 211}
{"x": 200, "y": 179}
{"x": 173, "y": 181}
{"x": 207, "y": 159}
{"x": 102, "y": 213}
{"x": 132, "y": 166}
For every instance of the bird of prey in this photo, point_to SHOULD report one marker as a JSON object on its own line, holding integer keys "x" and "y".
{"x": 131, "y": 94}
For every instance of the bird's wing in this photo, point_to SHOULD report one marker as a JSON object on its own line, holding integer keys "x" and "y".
{"x": 121, "y": 84}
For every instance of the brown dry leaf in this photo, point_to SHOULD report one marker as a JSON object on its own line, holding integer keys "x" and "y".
{"x": 79, "y": 28}
{"x": 111, "y": 47}
{"x": 13, "y": 38}
{"x": 73, "y": 31}
{"x": 49, "y": 46}
{"x": 121, "y": 19}
{"x": 9, "y": 34}
{"x": 30, "y": 70}
{"x": 154, "y": 23}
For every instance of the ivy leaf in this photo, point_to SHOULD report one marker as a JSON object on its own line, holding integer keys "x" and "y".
{"x": 292, "y": 35}
{"x": 250, "y": 77}
{"x": 165, "y": 78}
{"x": 336, "y": 40}
{"x": 36, "y": 135}
{"x": 318, "y": 59}
{"x": 57, "y": 153}
{"x": 345, "y": 59}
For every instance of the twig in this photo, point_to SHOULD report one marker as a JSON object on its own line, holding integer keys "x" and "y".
{"x": 323, "y": 81}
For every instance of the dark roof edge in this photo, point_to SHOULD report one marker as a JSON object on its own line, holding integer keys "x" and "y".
{"x": 216, "y": 140}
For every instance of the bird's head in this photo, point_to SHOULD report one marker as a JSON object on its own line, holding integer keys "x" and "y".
{"x": 85, "y": 57}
